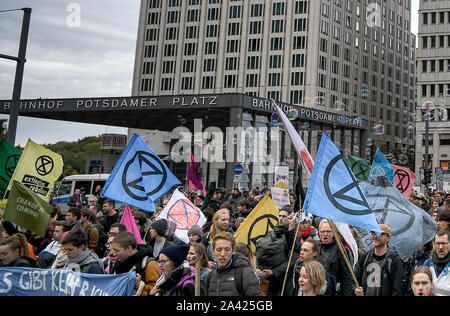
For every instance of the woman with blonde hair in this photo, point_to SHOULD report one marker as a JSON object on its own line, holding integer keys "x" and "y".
{"x": 220, "y": 222}
{"x": 312, "y": 279}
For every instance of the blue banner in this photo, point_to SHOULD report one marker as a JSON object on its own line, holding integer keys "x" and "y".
{"x": 334, "y": 192}
{"x": 63, "y": 282}
{"x": 381, "y": 167}
{"x": 411, "y": 226}
{"x": 140, "y": 177}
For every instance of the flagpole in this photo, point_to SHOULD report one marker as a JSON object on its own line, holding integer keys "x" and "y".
{"x": 197, "y": 278}
{"x": 341, "y": 248}
{"x": 292, "y": 251}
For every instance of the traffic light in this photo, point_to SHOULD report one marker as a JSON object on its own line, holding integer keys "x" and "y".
{"x": 427, "y": 176}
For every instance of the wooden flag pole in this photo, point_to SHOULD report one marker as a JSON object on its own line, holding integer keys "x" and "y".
{"x": 292, "y": 251}
{"x": 197, "y": 278}
{"x": 341, "y": 248}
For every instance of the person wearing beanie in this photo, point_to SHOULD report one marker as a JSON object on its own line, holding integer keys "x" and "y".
{"x": 158, "y": 238}
{"x": 178, "y": 277}
{"x": 195, "y": 234}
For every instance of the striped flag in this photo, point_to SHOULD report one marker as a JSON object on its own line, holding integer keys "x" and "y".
{"x": 308, "y": 165}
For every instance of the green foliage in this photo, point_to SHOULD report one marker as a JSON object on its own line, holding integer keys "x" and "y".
{"x": 74, "y": 154}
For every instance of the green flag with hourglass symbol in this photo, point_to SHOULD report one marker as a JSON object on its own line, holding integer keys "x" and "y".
{"x": 360, "y": 167}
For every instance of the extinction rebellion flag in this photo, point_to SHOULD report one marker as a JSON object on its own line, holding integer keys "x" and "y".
{"x": 9, "y": 157}
{"x": 27, "y": 209}
{"x": 38, "y": 169}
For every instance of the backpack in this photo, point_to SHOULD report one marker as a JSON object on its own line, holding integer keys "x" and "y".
{"x": 102, "y": 239}
{"x": 270, "y": 250}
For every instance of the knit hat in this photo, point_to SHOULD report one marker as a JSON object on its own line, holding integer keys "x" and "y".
{"x": 176, "y": 253}
{"x": 196, "y": 230}
{"x": 160, "y": 226}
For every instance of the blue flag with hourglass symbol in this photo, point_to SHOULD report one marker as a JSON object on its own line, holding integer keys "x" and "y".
{"x": 334, "y": 192}
{"x": 140, "y": 177}
{"x": 381, "y": 167}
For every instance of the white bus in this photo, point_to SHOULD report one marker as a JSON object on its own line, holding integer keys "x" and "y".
{"x": 88, "y": 182}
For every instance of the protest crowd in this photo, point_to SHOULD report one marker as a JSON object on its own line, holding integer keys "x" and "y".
{"x": 341, "y": 238}
{"x": 92, "y": 239}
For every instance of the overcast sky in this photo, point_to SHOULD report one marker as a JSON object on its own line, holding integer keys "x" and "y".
{"x": 95, "y": 59}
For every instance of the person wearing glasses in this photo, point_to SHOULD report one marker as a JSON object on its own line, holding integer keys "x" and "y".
{"x": 178, "y": 277}
{"x": 333, "y": 261}
{"x": 379, "y": 271}
{"x": 439, "y": 263}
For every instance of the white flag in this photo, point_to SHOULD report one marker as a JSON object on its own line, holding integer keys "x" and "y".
{"x": 184, "y": 213}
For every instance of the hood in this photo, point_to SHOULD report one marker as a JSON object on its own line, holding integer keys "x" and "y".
{"x": 240, "y": 260}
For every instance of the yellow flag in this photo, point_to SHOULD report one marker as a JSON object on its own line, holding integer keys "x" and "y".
{"x": 38, "y": 169}
{"x": 262, "y": 219}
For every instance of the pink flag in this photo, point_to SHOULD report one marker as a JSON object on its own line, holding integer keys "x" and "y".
{"x": 130, "y": 223}
{"x": 308, "y": 165}
{"x": 403, "y": 180}
{"x": 194, "y": 176}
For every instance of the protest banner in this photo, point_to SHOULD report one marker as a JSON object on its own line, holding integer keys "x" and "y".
{"x": 280, "y": 196}
{"x": 194, "y": 175}
{"x": 130, "y": 223}
{"x": 381, "y": 167}
{"x": 139, "y": 177}
{"x": 63, "y": 282}
{"x": 38, "y": 169}
{"x": 184, "y": 213}
{"x": 261, "y": 220}
{"x": 411, "y": 226}
{"x": 27, "y": 209}
{"x": 404, "y": 180}
{"x": 360, "y": 167}
{"x": 9, "y": 157}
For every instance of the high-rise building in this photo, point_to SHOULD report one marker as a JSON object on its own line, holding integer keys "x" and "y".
{"x": 352, "y": 57}
{"x": 433, "y": 89}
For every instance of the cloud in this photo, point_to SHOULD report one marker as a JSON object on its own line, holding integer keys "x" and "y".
{"x": 95, "y": 59}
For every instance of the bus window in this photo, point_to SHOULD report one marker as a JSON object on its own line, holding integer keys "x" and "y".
{"x": 101, "y": 183}
{"x": 64, "y": 188}
{"x": 84, "y": 184}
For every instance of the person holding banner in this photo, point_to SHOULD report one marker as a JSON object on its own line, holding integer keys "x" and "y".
{"x": 81, "y": 259}
{"x": 380, "y": 271}
{"x": 131, "y": 257}
{"x": 13, "y": 251}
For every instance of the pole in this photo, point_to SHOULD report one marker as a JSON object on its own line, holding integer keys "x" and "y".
{"x": 197, "y": 278}
{"x": 426, "y": 172}
{"x": 344, "y": 253}
{"x": 14, "y": 113}
{"x": 292, "y": 251}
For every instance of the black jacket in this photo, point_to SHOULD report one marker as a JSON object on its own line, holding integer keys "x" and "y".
{"x": 19, "y": 262}
{"x": 333, "y": 261}
{"x": 369, "y": 268}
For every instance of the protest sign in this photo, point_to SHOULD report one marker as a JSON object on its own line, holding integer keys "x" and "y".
{"x": 63, "y": 282}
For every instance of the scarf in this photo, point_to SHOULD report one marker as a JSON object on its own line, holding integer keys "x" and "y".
{"x": 85, "y": 258}
{"x": 440, "y": 262}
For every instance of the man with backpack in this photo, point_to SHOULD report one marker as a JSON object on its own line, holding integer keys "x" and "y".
{"x": 273, "y": 251}
{"x": 135, "y": 258}
{"x": 379, "y": 271}
{"x": 96, "y": 234}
